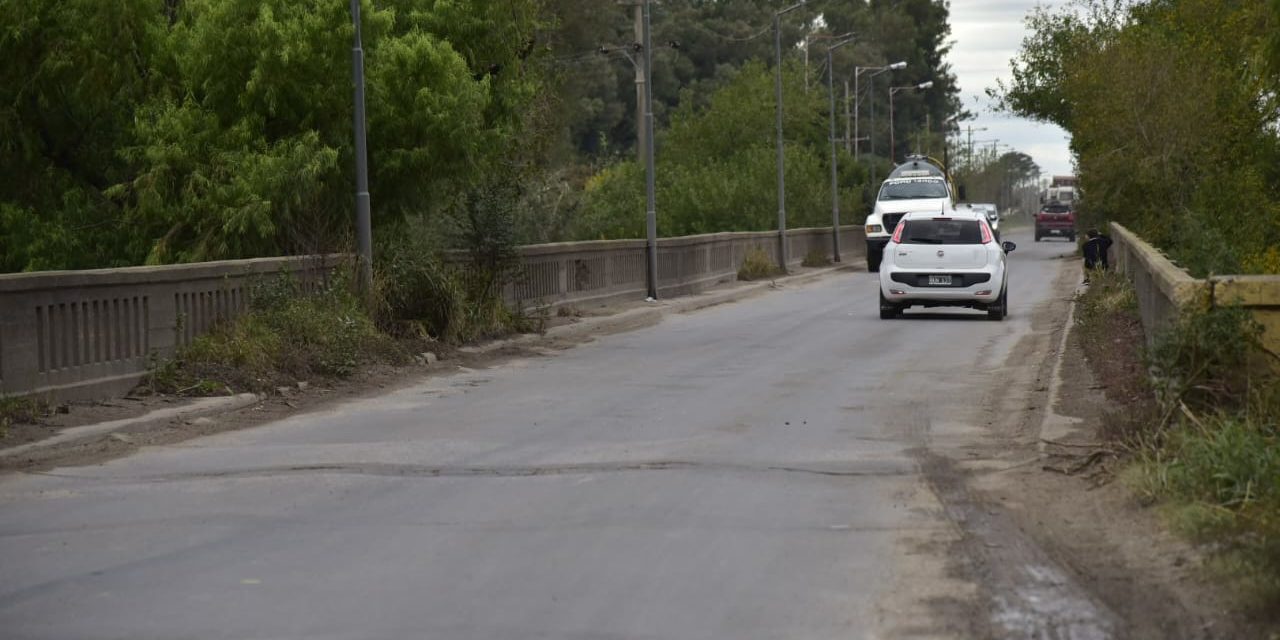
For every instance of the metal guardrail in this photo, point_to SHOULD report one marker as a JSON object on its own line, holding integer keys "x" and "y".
{"x": 86, "y": 334}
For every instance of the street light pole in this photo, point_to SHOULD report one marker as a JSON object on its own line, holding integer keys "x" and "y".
{"x": 946, "y": 141}
{"x": 892, "y": 141}
{"x": 777, "y": 90}
{"x": 893, "y": 90}
{"x": 364, "y": 232}
{"x": 848, "y": 118}
{"x": 651, "y": 217}
{"x": 835, "y": 187}
{"x": 857, "y": 104}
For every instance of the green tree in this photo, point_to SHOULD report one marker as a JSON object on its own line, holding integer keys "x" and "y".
{"x": 73, "y": 72}
{"x": 174, "y": 131}
{"x": 716, "y": 166}
{"x": 1173, "y": 130}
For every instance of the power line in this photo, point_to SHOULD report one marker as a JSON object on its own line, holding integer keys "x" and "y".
{"x": 722, "y": 36}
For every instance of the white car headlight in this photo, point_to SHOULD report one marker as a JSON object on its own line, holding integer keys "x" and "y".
{"x": 873, "y": 228}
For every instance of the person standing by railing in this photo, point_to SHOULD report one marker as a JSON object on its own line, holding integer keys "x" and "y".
{"x": 1095, "y": 252}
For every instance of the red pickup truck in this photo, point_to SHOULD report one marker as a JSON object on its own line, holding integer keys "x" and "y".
{"x": 1055, "y": 219}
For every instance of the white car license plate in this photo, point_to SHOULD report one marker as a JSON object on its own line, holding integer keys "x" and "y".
{"x": 939, "y": 281}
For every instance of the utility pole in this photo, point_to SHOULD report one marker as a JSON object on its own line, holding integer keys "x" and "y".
{"x": 835, "y": 187}
{"x": 643, "y": 63}
{"x": 364, "y": 231}
{"x": 892, "y": 92}
{"x": 642, "y": 132}
{"x": 928, "y": 126}
{"x": 857, "y": 97}
{"x": 857, "y": 105}
{"x": 651, "y": 217}
{"x": 848, "y": 142}
{"x": 969, "y": 160}
{"x": 806, "y": 63}
{"x": 777, "y": 91}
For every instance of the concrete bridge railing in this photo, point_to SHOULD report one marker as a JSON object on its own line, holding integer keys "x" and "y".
{"x": 93, "y": 333}
{"x": 1165, "y": 290}
{"x": 597, "y": 272}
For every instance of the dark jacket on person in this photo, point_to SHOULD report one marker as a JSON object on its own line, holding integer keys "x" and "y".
{"x": 1095, "y": 252}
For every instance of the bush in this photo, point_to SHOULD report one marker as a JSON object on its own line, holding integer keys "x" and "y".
{"x": 285, "y": 336}
{"x": 20, "y": 410}
{"x": 816, "y": 258}
{"x": 1205, "y": 360}
{"x": 1213, "y": 456}
{"x": 757, "y": 265}
{"x": 425, "y": 291}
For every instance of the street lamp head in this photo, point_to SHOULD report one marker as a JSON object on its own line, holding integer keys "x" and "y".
{"x": 841, "y": 41}
{"x": 901, "y": 64}
{"x": 925, "y": 85}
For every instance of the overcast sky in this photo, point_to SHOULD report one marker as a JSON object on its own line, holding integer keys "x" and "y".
{"x": 987, "y": 34}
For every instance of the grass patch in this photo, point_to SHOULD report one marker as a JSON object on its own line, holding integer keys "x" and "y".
{"x": 285, "y": 337}
{"x": 757, "y": 265}
{"x": 816, "y": 258}
{"x": 1213, "y": 458}
{"x": 16, "y": 410}
{"x": 422, "y": 301}
{"x": 1217, "y": 480}
{"x": 1198, "y": 413}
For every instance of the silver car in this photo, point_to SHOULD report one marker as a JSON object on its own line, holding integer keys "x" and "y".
{"x": 944, "y": 260}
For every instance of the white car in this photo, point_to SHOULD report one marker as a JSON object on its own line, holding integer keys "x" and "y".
{"x": 992, "y": 212}
{"x": 944, "y": 260}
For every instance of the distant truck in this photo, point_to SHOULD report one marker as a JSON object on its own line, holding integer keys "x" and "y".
{"x": 919, "y": 184}
{"x": 1057, "y": 215}
{"x": 1062, "y": 190}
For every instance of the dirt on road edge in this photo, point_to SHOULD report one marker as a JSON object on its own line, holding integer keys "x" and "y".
{"x": 1065, "y": 496}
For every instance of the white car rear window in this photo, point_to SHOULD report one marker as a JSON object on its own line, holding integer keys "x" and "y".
{"x": 941, "y": 232}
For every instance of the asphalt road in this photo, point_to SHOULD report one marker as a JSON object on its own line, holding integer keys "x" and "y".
{"x": 752, "y": 470}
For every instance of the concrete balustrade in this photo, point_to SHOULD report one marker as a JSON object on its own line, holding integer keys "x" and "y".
{"x": 1165, "y": 290}
{"x": 85, "y": 334}
{"x": 89, "y": 334}
{"x": 582, "y": 273}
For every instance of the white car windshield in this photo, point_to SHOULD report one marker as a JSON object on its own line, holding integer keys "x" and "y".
{"x": 941, "y": 232}
{"x": 913, "y": 189}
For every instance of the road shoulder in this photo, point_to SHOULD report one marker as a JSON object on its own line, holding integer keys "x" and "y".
{"x": 1070, "y": 501}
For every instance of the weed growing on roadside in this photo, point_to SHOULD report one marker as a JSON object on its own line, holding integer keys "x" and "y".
{"x": 1109, "y": 295}
{"x": 816, "y": 258}
{"x": 757, "y": 265}
{"x": 287, "y": 335}
{"x": 1206, "y": 361}
{"x": 1211, "y": 456}
{"x": 20, "y": 410}
{"x": 1198, "y": 413}
{"x": 456, "y": 297}
{"x": 1218, "y": 479}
